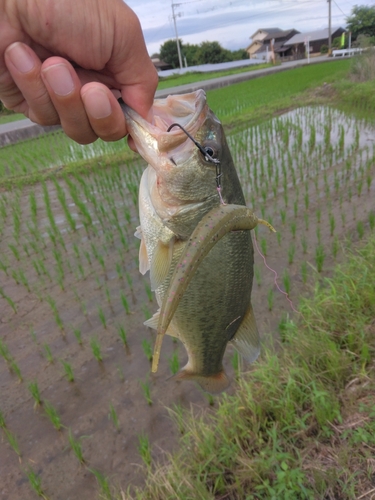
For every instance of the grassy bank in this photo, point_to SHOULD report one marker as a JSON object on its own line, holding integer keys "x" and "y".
{"x": 301, "y": 424}
{"x": 192, "y": 77}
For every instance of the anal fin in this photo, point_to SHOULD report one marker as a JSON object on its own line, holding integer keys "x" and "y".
{"x": 153, "y": 323}
{"x": 246, "y": 340}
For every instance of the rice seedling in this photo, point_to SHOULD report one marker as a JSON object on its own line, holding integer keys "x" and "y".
{"x": 332, "y": 224}
{"x": 174, "y": 363}
{"x": 68, "y": 370}
{"x": 35, "y": 482}
{"x": 360, "y": 229}
{"x": 34, "y": 391}
{"x": 146, "y": 391}
{"x": 96, "y": 349}
{"x": 304, "y": 271}
{"x": 146, "y": 312}
{"x": 78, "y": 335}
{"x": 335, "y": 247}
{"x": 129, "y": 280}
{"x": 124, "y": 303}
{"x": 257, "y": 274}
{"x": 122, "y": 334}
{"x": 47, "y": 353}
{"x": 13, "y": 366}
{"x": 9, "y": 300}
{"x": 144, "y": 448}
{"x": 104, "y": 485}
{"x": 53, "y": 415}
{"x": 113, "y": 416}
{"x": 76, "y": 446}
{"x": 15, "y": 251}
{"x": 319, "y": 257}
{"x": 286, "y": 281}
{"x": 148, "y": 291}
{"x": 102, "y": 317}
{"x": 147, "y": 349}
{"x": 56, "y": 314}
{"x": 12, "y": 440}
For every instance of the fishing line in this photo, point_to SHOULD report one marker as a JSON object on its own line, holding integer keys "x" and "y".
{"x": 207, "y": 156}
{"x": 275, "y": 274}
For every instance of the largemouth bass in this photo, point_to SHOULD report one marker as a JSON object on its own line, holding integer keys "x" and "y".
{"x": 195, "y": 241}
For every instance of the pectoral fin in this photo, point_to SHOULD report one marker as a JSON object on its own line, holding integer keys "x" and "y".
{"x": 161, "y": 263}
{"x": 144, "y": 263}
{"x": 246, "y": 340}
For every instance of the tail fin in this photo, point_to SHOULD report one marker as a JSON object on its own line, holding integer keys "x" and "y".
{"x": 213, "y": 384}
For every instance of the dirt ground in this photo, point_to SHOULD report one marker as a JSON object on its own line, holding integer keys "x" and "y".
{"x": 49, "y": 293}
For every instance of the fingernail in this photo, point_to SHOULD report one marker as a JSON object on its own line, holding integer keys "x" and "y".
{"x": 97, "y": 103}
{"x": 20, "y": 57}
{"x": 60, "y": 79}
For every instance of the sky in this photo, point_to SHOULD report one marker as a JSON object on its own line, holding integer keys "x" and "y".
{"x": 232, "y": 22}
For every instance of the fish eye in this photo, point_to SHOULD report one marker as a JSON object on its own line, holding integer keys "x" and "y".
{"x": 209, "y": 151}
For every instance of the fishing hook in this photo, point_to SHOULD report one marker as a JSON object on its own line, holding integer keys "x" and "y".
{"x": 207, "y": 157}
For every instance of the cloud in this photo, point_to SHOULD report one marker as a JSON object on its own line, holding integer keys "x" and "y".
{"x": 231, "y": 22}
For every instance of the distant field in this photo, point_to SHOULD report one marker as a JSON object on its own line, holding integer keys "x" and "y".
{"x": 176, "y": 80}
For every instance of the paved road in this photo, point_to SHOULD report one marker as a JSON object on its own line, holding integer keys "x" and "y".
{"x": 24, "y": 129}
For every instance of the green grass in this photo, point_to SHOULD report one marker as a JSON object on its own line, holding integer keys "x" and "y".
{"x": 256, "y": 99}
{"x": 301, "y": 423}
{"x": 11, "y": 117}
{"x": 194, "y": 76}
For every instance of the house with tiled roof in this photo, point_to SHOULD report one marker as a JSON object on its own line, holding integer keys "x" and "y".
{"x": 316, "y": 40}
{"x": 261, "y": 41}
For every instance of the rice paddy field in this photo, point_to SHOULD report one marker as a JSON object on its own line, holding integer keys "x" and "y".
{"x": 80, "y": 413}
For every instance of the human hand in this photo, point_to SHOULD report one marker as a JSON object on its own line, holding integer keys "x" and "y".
{"x": 63, "y": 61}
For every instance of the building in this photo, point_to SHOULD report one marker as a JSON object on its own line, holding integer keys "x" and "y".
{"x": 315, "y": 38}
{"x": 261, "y": 42}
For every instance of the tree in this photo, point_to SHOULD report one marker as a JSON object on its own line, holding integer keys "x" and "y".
{"x": 213, "y": 52}
{"x": 169, "y": 53}
{"x": 361, "y": 21}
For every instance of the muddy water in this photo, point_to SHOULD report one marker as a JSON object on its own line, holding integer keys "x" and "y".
{"x": 62, "y": 285}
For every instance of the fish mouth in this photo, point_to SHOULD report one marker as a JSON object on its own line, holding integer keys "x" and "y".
{"x": 162, "y": 148}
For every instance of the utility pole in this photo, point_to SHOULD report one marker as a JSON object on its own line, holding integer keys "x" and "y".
{"x": 175, "y": 29}
{"x": 329, "y": 27}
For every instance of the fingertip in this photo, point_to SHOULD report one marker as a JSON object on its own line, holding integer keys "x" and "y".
{"x": 103, "y": 111}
